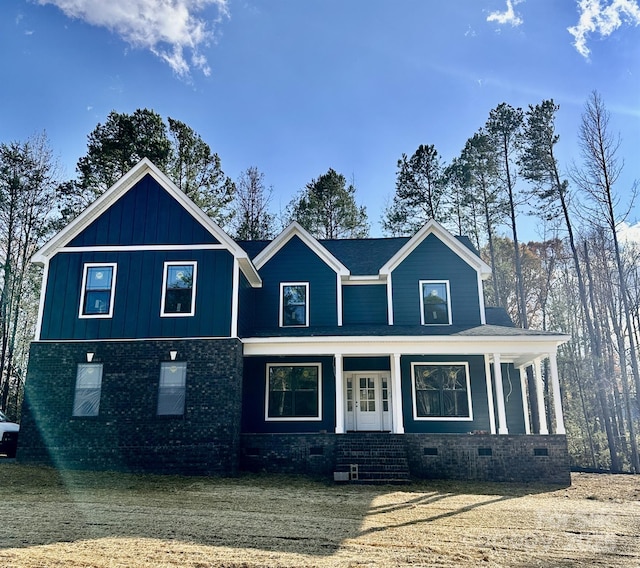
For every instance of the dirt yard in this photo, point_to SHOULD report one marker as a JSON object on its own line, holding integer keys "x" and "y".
{"x": 106, "y": 520}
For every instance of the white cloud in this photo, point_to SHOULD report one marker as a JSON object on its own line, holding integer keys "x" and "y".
{"x": 509, "y": 16}
{"x": 628, "y": 233}
{"x": 168, "y": 28}
{"x": 602, "y": 18}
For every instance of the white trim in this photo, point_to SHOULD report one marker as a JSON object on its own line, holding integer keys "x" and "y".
{"x": 525, "y": 401}
{"x": 43, "y": 293}
{"x": 512, "y": 348}
{"x": 502, "y": 413}
{"x": 83, "y": 289}
{"x": 340, "y": 394}
{"x": 306, "y": 307}
{"x": 542, "y": 412}
{"x": 165, "y": 273}
{"x": 389, "y": 301}
{"x": 414, "y": 403}
{"x": 396, "y": 395}
{"x": 421, "y": 284}
{"x": 268, "y": 418}
{"x": 140, "y": 248}
{"x": 557, "y": 398}
{"x": 235, "y": 298}
{"x": 491, "y": 406}
{"x": 483, "y": 315}
{"x": 365, "y": 280}
{"x": 339, "y": 299}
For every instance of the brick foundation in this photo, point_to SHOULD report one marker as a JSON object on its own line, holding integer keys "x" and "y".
{"x": 533, "y": 458}
{"x": 127, "y": 435}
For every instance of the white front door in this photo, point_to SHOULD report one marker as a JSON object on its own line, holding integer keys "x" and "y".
{"x": 368, "y": 401}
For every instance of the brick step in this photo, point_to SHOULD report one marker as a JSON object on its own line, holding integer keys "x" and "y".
{"x": 372, "y": 458}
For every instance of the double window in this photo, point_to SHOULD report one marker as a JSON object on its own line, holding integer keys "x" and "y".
{"x": 179, "y": 289}
{"x": 293, "y": 392}
{"x": 441, "y": 391}
{"x": 172, "y": 389}
{"x": 86, "y": 401}
{"x": 98, "y": 288}
{"x": 294, "y": 304}
{"x": 435, "y": 305}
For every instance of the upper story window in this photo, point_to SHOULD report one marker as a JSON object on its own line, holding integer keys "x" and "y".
{"x": 172, "y": 389}
{"x": 86, "y": 401}
{"x": 179, "y": 289}
{"x": 435, "y": 304}
{"x": 441, "y": 391}
{"x": 98, "y": 288}
{"x": 293, "y": 392}
{"x": 294, "y": 304}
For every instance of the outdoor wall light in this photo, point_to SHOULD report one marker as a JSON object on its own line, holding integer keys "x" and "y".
{"x": 90, "y": 356}
{"x": 173, "y": 354}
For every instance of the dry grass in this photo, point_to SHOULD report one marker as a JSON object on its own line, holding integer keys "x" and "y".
{"x": 82, "y": 519}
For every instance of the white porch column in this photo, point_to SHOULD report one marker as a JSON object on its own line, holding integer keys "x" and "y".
{"x": 502, "y": 413}
{"x": 542, "y": 413}
{"x": 492, "y": 410}
{"x": 557, "y": 400}
{"x": 339, "y": 395}
{"x": 525, "y": 400}
{"x": 396, "y": 393}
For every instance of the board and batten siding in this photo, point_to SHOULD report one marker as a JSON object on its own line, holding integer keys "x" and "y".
{"x": 364, "y": 304}
{"x": 296, "y": 262}
{"x": 145, "y": 215}
{"x": 138, "y": 295}
{"x": 477, "y": 378}
{"x": 433, "y": 260}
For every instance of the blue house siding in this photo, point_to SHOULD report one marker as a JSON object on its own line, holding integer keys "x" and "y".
{"x": 296, "y": 262}
{"x": 479, "y": 398}
{"x": 254, "y": 397}
{"x": 366, "y": 364}
{"x": 433, "y": 260}
{"x": 138, "y": 293}
{"x": 246, "y": 310}
{"x": 365, "y": 304}
{"x": 146, "y": 215}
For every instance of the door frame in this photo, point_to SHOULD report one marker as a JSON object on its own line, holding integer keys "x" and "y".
{"x": 383, "y": 403}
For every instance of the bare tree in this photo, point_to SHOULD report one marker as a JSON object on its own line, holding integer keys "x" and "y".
{"x": 253, "y": 221}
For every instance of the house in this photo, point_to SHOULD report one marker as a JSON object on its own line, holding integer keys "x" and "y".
{"x": 164, "y": 345}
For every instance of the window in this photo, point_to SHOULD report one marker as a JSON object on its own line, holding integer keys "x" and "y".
{"x": 293, "y": 392}
{"x": 434, "y": 302}
{"x": 172, "y": 389}
{"x": 88, "y": 386}
{"x": 441, "y": 391}
{"x": 98, "y": 287}
{"x": 294, "y": 304}
{"x": 179, "y": 289}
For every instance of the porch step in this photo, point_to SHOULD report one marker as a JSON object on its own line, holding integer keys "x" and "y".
{"x": 372, "y": 457}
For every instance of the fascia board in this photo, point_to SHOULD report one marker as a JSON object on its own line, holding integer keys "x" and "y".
{"x": 295, "y": 229}
{"x": 433, "y": 227}
{"x": 512, "y": 348}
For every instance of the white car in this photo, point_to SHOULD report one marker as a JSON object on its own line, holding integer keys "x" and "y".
{"x": 8, "y": 436}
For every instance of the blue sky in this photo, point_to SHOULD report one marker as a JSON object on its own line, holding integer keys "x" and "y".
{"x": 296, "y": 87}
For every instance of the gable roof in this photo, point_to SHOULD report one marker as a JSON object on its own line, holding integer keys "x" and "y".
{"x": 119, "y": 189}
{"x": 456, "y": 245}
{"x": 296, "y": 230}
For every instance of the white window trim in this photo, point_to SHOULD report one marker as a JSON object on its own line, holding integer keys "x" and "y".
{"x": 414, "y": 398}
{"x": 83, "y": 290}
{"x": 281, "y": 314}
{"x": 293, "y": 418}
{"x": 420, "y": 287}
{"x": 165, "y": 274}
